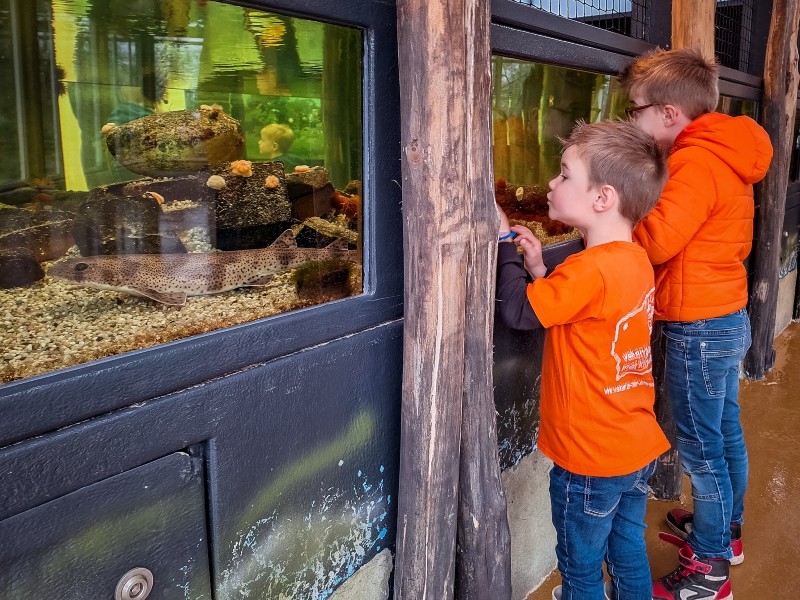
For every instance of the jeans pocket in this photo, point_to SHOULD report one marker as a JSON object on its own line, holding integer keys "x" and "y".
{"x": 599, "y": 502}
{"x": 717, "y": 358}
{"x": 673, "y": 340}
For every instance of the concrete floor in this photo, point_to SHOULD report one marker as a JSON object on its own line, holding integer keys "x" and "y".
{"x": 771, "y": 534}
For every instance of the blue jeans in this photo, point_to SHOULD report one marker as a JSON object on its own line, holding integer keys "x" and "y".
{"x": 702, "y": 384}
{"x": 600, "y": 518}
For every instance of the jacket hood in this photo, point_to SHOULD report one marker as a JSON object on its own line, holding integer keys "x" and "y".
{"x": 739, "y": 142}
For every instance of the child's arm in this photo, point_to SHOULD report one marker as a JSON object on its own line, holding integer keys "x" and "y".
{"x": 512, "y": 304}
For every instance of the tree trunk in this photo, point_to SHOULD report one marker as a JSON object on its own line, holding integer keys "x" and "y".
{"x": 778, "y": 112}
{"x": 693, "y": 25}
{"x": 449, "y": 247}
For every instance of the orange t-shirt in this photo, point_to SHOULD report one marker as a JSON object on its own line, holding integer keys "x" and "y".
{"x": 597, "y": 386}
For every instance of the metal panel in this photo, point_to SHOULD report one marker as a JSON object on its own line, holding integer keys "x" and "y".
{"x": 302, "y": 456}
{"x": 508, "y": 12}
{"x": 78, "y": 546}
{"x": 538, "y": 47}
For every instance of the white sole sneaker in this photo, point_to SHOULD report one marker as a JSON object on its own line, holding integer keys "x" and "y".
{"x": 608, "y": 591}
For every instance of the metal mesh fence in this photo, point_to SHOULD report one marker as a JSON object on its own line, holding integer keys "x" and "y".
{"x": 627, "y": 17}
{"x": 733, "y": 25}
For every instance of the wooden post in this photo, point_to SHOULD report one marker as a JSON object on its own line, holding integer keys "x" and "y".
{"x": 450, "y": 247}
{"x": 778, "y": 112}
{"x": 693, "y": 25}
{"x": 483, "y": 567}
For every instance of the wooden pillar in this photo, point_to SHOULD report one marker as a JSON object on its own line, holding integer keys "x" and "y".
{"x": 693, "y": 25}
{"x": 778, "y": 113}
{"x": 450, "y": 245}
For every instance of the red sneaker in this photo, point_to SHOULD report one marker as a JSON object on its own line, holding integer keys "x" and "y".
{"x": 696, "y": 578}
{"x": 680, "y": 521}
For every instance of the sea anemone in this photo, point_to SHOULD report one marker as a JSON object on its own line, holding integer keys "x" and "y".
{"x": 272, "y": 182}
{"x": 302, "y": 168}
{"x": 108, "y": 128}
{"x": 349, "y": 205}
{"x": 216, "y": 182}
{"x": 214, "y": 109}
{"x": 243, "y": 168}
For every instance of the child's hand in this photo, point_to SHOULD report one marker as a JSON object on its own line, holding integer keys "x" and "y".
{"x": 532, "y": 250}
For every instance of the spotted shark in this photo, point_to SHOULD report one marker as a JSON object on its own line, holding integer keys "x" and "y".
{"x": 170, "y": 278}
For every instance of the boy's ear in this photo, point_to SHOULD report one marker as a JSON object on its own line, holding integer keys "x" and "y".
{"x": 672, "y": 114}
{"x": 606, "y": 198}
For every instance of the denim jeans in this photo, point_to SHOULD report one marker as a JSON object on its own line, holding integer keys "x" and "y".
{"x": 702, "y": 384}
{"x": 600, "y": 518}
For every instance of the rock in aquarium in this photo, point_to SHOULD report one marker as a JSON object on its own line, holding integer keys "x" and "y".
{"x": 175, "y": 142}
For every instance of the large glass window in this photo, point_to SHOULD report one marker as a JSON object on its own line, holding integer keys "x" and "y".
{"x": 170, "y": 168}
{"x": 534, "y": 104}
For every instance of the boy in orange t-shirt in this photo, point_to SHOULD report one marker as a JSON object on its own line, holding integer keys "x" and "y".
{"x": 597, "y": 419}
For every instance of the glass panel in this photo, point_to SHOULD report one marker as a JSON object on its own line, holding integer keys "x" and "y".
{"x": 532, "y": 105}
{"x": 728, "y": 105}
{"x": 172, "y": 168}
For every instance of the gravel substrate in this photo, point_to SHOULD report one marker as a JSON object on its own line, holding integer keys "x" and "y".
{"x": 53, "y": 324}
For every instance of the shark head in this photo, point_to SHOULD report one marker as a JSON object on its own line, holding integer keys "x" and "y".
{"x": 102, "y": 272}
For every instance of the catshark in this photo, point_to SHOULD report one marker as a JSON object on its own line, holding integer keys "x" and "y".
{"x": 170, "y": 278}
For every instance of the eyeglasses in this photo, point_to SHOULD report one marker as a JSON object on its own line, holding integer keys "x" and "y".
{"x": 631, "y": 111}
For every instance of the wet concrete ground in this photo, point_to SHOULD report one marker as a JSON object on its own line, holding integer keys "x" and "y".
{"x": 771, "y": 533}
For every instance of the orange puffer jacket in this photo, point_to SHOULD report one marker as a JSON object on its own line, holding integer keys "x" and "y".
{"x": 702, "y": 227}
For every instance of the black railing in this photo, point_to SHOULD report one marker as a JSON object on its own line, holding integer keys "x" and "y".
{"x": 626, "y": 17}
{"x": 733, "y": 25}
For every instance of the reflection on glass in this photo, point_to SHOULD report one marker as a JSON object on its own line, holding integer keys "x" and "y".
{"x": 169, "y": 168}
{"x": 533, "y": 105}
{"x": 735, "y": 107}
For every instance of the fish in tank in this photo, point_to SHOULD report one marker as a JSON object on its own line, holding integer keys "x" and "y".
{"x": 138, "y": 204}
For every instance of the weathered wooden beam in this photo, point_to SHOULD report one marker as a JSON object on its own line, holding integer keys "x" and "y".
{"x": 778, "y": 112}
{"x": 693, "y": 25}
{"x": 449, "y": 254}
{"x": 483, "y": 559}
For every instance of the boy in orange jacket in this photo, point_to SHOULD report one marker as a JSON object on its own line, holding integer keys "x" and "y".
{"x": 697, "y": 237}
{"x": 597, "y": 420}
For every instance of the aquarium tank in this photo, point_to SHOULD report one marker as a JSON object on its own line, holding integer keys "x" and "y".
{"x": 533, "y": 104}
{"x": 170, "y": 167}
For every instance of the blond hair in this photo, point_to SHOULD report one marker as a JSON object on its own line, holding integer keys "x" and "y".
{"x": 683, "y": 78}
{"x": 281, "y": 134}
{"x": 622, "y": 155}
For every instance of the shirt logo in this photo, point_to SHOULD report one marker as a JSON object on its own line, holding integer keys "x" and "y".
{"x": 631, "y": 345}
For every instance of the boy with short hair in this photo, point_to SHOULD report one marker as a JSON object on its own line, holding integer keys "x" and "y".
{"x": 275, "y": 141}
{"x": 597, "y": 395}
{"x": 697, "y": 237}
